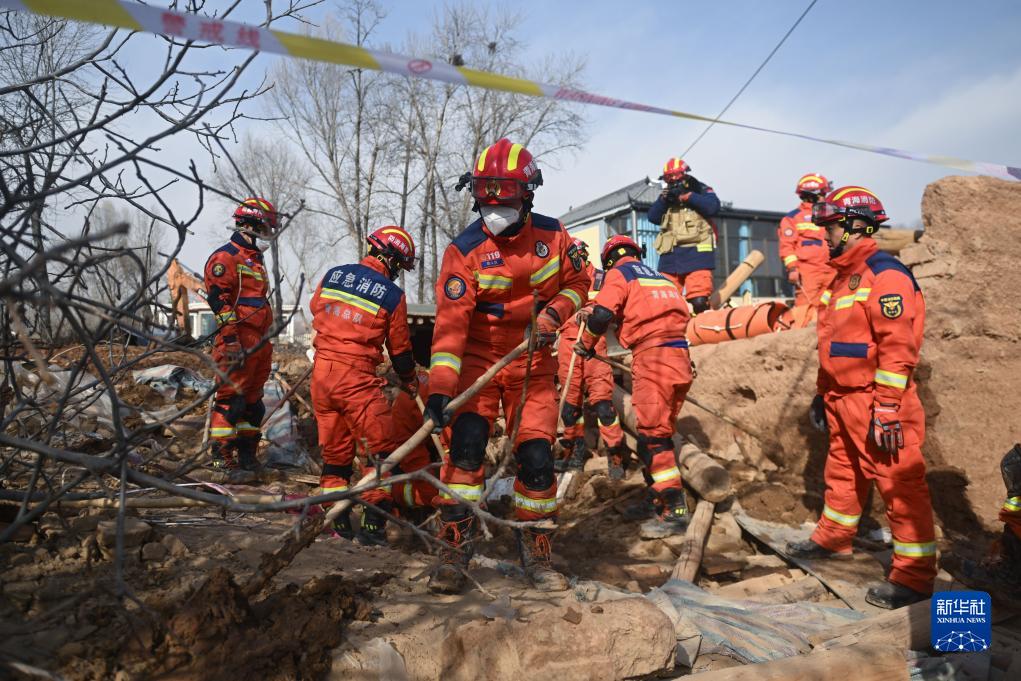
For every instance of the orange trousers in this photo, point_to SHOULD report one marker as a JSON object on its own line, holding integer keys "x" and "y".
{"x": 535, "y": 488}
{"x": 237, "y": 413}
{"x": 407, "y": 418}
{"x": 352, "y": 415}
{"x": 694, "y": 284}
{"x": 591, "y": 383}
{"x": 661, "y": 377}
{"x": 815, "y": 277}
{"x": 854, "y": 462}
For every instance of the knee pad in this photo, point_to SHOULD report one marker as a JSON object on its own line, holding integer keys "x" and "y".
{"x": 1010, "y": 468}
{"x": 232, "y": 408}
{"x": 254, "y": 412}
{"x": 535, "y": 464}
{"x": 605, "y": 412}
{"x": 468, "y": 438}
{"x": 699, "y": 304}
{"x": 650, "y": 446}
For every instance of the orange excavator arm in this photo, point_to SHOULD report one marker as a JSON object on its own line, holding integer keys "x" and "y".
{"x": 182, "y": 281}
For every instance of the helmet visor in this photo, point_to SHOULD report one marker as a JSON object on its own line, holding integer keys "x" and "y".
{"x": 497, "y": 189}
{"x": 825, "y": 213}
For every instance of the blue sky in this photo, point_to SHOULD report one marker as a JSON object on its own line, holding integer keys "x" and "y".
{"x": 933, "y": 77}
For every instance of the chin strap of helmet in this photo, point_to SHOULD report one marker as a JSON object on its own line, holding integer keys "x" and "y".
{"x": 845, "y": 224}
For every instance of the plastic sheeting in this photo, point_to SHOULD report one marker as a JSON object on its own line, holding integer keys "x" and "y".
{"x": 168, "y": 379}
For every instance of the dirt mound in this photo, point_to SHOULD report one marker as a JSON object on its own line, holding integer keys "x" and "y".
{"x": 967, "y": 377}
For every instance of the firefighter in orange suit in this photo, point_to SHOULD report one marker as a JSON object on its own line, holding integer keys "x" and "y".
{"x": 802, "y": 243}
{"x": 357, "y": 309}
{"x": 870, "y": 332}
{"x": 484, "y": 308}
{"x": 591, "y": 383}
{"x": 407, "y": 419}
{"x": 652, "y": 320}
{"x": 236, "y": 285}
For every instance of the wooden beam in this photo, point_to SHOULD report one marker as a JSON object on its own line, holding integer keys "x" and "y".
{"x": 861, "y": 663}
{"x": 690, "y": 556}
{"x": 906, "y": 628}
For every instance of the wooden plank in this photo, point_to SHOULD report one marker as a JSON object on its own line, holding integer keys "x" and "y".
{"x": 906, "y": 628}
{"x": 807, "y": 589}
{"x": 758, "y": 585}
{"x": 861, "y": 663}
{"x": 715, "y": 564}
{"x": 690, "y": 557}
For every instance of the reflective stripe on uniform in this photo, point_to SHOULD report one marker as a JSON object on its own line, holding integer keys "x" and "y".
{"x": 548, "y": 505}
{"x": 222, "y": 432}
{"x": 350, "y": 299}
{"x": 466, "y": 492}
{"x": 226, "y": 317}
{"x": 1012, "y": 504}
{"x": 862, "y": 294}
{"x": 891, "y": 379}
{"x": 667, "y": 474}
{"x": 844, "y": 302}
{"x": 329, "y": 490}
{"x": 445, "y": 359}
{"x": 825, "y": 297}
{"x": 488, "y": 281}
{"x": 704, "y": 248}
{"x": 570, "y": 295}
{"x": 914, "y": 549}
{"x": 659, "y": 283}
{"x": 789, "y": 259}
{"x": 807, "y": 227}
{"x": 547, "y": 271}
{"x": 245, "y": 270}
{"x": 247, "y": 427}
{"x": 841, "y": 518}
{"x": 409, "y": 495}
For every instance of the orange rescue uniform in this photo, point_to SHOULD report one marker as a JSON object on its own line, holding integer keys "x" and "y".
{"x": 484, "y": 307}
{"x": 803, "y": 248}
{"x": 591, "y": 379}
{"x": 870, "y": 332}
{"x": 236, "y": 285}
{"x": 355, "y": 311}
{"x": 407, "y": 419}
{"x": 652, "y": 320}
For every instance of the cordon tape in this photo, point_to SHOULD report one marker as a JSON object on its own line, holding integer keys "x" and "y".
{"x": 193, "y": 27}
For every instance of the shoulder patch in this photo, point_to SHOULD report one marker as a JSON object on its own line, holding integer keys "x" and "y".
{"x": 881, "y": 262}
{"x": 541, "y": 249}
{"x": 471, "y": 238}
{"x": 219, "y": 269}
{"x": 788, "y": 232}
{"x": 454, "y": 287}
{"x": 892, "y": 305}
{"x": 544, "y": 222}
{"x": 574, "y": 254}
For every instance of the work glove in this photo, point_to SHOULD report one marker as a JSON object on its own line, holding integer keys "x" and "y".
{"x": 581, "y": 349}
{"x": 817, "y": 414}
{"x": 436, "y": 409}
{"x": 409, "y": 383}
{"x": 547, "y": 326}
{"x": 794, "y": 276}
{"x": 570, "y": 414}
{"x": 583, "y": 315}
{"x": 886, "y": 430}
{"x": 232, "y": 350}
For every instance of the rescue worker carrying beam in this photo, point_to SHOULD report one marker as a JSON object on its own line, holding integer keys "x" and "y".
{"x": 356, "y": 310}
{"x": 484, "y": 309}
{"x": 652, "y": 320}
{"x": 686, "y": 242}
{"x": 803, "y": 249}
{"x": 592, "y": 384}
{"x": 237, "y": 286}
{"x": 870, "y": 333}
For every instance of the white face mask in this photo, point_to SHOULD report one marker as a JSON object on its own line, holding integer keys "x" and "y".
{"x": 499, "y": 218}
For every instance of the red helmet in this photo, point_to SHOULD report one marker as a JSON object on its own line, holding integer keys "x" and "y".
{"x": 394, "y": 242}
{"x": 675, "y": 169}
{"x": 256, "y": 212}
{"x": 616, "y": 247}
{"x": 504, "y": 172}
{"x": 848, "y": 203}
{"x": 813, "y": 183}
{"x": 581, "y": 246}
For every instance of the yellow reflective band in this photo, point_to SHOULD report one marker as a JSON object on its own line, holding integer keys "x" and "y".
{"x": 488, "y": 281}
{"x": 658, "y": 283}
{"x": 862, "y": 294}
{"x": 891, "y": 379}
{"x": 548, "y": 270}
{"x": 825, "y": 297}
{"x": 445, "y": 359}
{"x": 221, "y": 432}
{"x": 592, "y": 295}
{"x": 226, "y": 317}
{"x": 809, "y": 178}
{"x": 512, "y": 157}
{"x": 307, "y": 47}
{"x": 245, "y": 426}
{"x": 409, "y": 495}
{"x": 244, "y": 270}
{"x": 482, "y": 160}
{"x": 914, "y": 550}
{"x": 844, "y": 302}
{"x": 537, "y": 505}
{"x": 327, "y": 490}
{"x": 466, "y": 492}
{"x": 350, "y": 299}
{"x": 789, "y": 259}
{"x": 668, "y": 474}
{"x": 704, "y": 248}
{"x": 841, "y": 518}
{"x": 494, "y": 81}
{"x": 572, "y": 296}
{"x": 1012, "y": 504}
{"x": 854, "y": 189}
{"x": 808, "y": 227}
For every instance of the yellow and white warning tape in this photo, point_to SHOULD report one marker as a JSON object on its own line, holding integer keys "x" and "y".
{"x": 138, "y": 17}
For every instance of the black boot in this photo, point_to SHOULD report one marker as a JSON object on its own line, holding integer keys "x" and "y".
{"x": 560, "y": 465}
{"x": 999, "y": 574}
{"x": 222, "y": 456}
{"x": 372, "y": 530}
{"x": 536, "y": 552}
{"x": 248, "y": 469}
{"x": 809, "y": 550}
{"x": 342, "y": 525}
{"x": 891, "y": 596}
{"x": 457, "y": 532}
{"x": 579, "y": 453}
{"x": 673, "y": 516}
{"x": 699, "y": 304}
